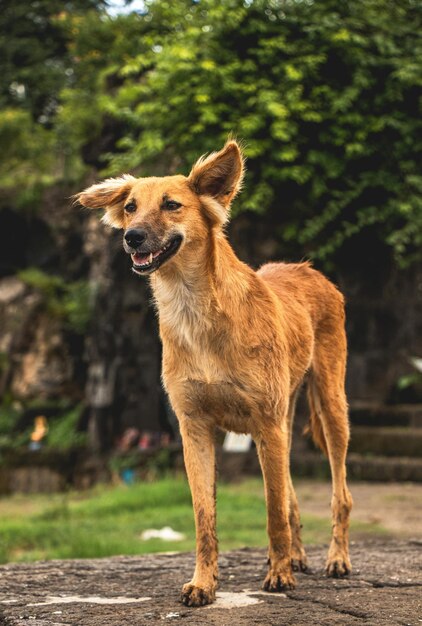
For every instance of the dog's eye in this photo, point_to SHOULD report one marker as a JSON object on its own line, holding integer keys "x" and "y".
{"x": 130, "y": 207}
{"x": 171, "y": 205}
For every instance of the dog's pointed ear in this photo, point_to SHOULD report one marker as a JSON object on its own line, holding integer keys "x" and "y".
{"x": 219, "y": 175}
{"x": 109, "y": 195}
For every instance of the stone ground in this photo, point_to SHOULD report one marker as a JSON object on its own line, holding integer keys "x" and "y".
{"x": 385, "y": 589}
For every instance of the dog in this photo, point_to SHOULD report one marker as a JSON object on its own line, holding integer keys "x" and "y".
{"x": 237, "y": 345}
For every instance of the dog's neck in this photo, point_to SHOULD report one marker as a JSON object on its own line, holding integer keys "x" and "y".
{"x": 207, "y": 281}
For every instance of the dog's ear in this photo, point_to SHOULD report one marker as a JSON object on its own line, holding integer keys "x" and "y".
{"x": 219, "y": 176}
{"x": 109, "y": 195}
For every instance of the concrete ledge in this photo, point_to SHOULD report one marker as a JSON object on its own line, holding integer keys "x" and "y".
{"x": 392, "y": 441}
{"x": 313, "y": 464}
{"x": 385, "y": 589}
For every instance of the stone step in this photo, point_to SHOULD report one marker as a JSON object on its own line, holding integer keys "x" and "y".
{"x": 370, "y": 414}
{"x": 386, "y": 441}
{"x": 361, "y": 467}
{"x": 234, "y": 465}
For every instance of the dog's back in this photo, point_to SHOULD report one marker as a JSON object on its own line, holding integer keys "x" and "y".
{"x": 300, "y": 284}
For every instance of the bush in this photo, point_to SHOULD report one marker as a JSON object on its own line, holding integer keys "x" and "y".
{"x": 70, "y": 302}
{"x": 324, "y": 93}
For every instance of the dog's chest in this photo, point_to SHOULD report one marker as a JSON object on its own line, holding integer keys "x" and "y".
{"x": 181, "y": 313}
{"x": 207, "y": 391}
{"x": 229, "y": 406}
{"x": 207, "y": 371}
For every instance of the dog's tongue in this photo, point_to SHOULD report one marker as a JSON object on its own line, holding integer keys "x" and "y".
{"x": 142, "y": 258}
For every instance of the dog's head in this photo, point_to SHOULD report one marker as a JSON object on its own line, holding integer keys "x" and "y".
{"x": 162, "y": 216}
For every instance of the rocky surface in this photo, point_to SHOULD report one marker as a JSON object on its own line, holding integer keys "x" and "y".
{"x": 385, "y": 589}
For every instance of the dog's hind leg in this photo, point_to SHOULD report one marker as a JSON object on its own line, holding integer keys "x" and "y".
{"x": 199, "y": 455}
{"x": 273, "y": 450}
{"x": 299, "y": 559}
{"x": 331, "y": 426}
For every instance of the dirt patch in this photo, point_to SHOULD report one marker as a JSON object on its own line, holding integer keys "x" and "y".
{"x": 385, "y": 589}
{"x": 395, "y": 506}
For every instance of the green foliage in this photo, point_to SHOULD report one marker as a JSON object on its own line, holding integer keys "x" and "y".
{"x": 120, "y": 462}
{"x": 154, "y": 466}
{"x": 9, "y": 415}
{"x": 408, "y": 380}
{"x": 409, "y": 386}
{"x": 70, "y": 301}
{"x": 326, "y": 96}
{"x": 27, "y": 158}
{"x": 36, "y": 63}
{"x": 34, "y": 56}
{"x": 63, "y": 431}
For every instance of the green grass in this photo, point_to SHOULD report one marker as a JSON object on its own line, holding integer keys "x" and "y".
{"x": 108, "y": 520}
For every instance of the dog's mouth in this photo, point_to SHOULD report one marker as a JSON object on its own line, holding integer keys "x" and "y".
{"x": 148, "y": 263}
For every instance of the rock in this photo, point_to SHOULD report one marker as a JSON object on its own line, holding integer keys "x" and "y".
{"x": 10, "y": 289}
{"x": 44, "y": 369}
{"x": 384, "y": 590}
{"x": 17, "y": 308}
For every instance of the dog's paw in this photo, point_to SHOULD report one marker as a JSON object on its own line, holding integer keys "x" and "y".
{"x": 300, "y": 565}
{"x": 299, "y": 560}
{"x": 338, "y": 567}
{"x": 277, "y": 580}
{"x": 193, "y": 595}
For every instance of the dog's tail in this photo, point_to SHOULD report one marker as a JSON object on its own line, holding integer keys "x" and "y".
{"x": 314, "y": 427}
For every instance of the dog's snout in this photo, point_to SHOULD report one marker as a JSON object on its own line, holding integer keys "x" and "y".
{"x": 134, "y": 237}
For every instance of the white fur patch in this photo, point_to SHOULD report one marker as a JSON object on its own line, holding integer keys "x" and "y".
{"x": 215, "y": 209}
{"x": 179, "y": 308}
{"x": 113, "y": 217}
{"x": 109, "y": 185}
{"x": 105, "y": 195}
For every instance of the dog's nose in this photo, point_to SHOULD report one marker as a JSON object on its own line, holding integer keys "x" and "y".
{"x": 134, "y": 237}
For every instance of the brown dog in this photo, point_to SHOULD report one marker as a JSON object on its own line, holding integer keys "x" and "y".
{"x": 236, "y": 347}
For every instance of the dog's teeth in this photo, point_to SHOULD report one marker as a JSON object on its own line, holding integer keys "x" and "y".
{"x": 150, "y": 258}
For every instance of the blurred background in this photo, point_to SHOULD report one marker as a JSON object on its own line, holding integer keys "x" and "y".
{"x": 326, "y": 97}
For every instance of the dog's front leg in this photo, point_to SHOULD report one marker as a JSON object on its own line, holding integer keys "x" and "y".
{"x": 273, "y": 451}
{"x": 199, "y": 455}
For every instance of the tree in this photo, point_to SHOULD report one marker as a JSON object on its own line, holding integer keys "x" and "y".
{"x": 325, "y": 95}
{"x": 36, "y": 64}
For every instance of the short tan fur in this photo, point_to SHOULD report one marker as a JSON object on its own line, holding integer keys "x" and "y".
{"x": 237, "y": 345}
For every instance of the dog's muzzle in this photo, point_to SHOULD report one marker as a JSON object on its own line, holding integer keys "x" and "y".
{"x": 148, "y": 256}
